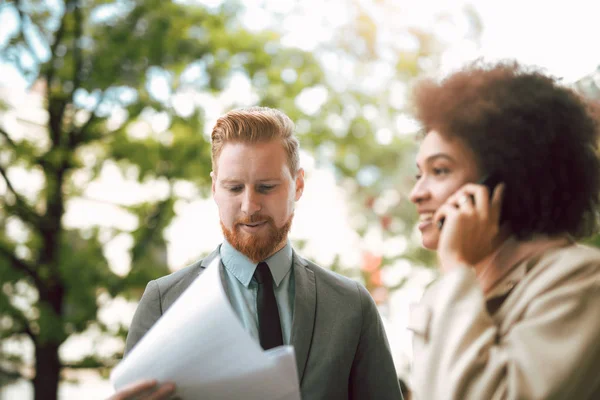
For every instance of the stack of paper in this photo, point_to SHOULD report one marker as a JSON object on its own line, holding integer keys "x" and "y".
{"x": 200, "y": 345}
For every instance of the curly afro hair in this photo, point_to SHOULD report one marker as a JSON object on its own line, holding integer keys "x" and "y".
{"x": 538, "y": 136}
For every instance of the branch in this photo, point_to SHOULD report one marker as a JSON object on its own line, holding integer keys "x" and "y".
{"x": 77, "y": 136}
{"x": 77, "y": 53}
{"x": 11, "y": 375}
{"x": 92, "y": 361}
{"x": 147, "y": 235}
{"x": 27, "y": 330}
{"x": 22, "y": 18}
{"x": 12, "y": 56}
{"x": 77, "y": 63}
{"x": 9, "y": 184}
{"x": 90, "y": 120}
{"x": 29, "y": 215}
{"x": 20, "y": 264}
{"x": 17, "y": 315}
{"x": 57, "y": 39}
{"x": 8, "y": 138}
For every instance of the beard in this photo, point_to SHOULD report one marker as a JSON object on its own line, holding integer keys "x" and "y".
{"x": 257, "y": 247}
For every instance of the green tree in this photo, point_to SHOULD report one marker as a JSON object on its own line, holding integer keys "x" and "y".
{"x": 95, "y": 60}
{"x": 364, "y": 128}
{"x": 101, "y": 64}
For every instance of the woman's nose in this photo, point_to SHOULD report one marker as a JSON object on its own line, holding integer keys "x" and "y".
{"x": 419, "y": 192}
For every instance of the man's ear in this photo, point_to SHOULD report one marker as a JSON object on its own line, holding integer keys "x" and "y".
{"x": 213, "y": 177}
{"x": 299, "y": 183}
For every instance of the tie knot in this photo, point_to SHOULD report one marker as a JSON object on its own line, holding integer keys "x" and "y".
{"x": 262, "y": 274}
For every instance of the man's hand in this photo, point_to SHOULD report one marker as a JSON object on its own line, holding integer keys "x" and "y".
{"x": 146, "y": 390}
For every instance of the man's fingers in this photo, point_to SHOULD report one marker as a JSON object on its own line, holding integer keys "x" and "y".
{"x": 163, "y": 392}
{"x": 133, "y": 389}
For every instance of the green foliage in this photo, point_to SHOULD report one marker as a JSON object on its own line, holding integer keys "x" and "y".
{"x": 98, "y": 58}
{"x": 98, "y": 63}
{"x": 84, "y": 273}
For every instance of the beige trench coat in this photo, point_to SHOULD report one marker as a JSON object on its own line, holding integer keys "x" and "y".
{"x": 542, "y": 343}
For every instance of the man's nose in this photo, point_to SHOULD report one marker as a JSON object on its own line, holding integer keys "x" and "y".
{"x": 251, "y": 202}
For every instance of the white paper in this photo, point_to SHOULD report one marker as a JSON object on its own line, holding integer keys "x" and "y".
{"x": 200, "y": 345}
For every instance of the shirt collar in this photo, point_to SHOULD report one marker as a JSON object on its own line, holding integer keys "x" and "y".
{"x": 243, "y": 268}
{"x": 513, "y": 260}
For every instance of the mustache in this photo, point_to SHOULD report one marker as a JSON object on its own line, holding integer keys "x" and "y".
{"x": 253, "y": 219}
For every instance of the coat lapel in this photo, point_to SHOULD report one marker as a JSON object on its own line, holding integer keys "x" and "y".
{"x": 208, "y": 260}
{"x": 304, "y": 312}
{"x": 205, "y": 262}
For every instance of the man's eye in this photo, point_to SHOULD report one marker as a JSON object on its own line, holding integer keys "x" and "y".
{"x": 235, "y": 189}
{"x": 266, "y": 188}
{"x": 418, "y": 176}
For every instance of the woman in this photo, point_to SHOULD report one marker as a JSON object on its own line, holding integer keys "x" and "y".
{"x": 516, "y": 312}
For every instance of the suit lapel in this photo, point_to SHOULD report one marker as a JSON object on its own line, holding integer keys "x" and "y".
{"x": 304, "y": 312}
{"x": 208, "y": 260}
{"x": 205, "y": 262}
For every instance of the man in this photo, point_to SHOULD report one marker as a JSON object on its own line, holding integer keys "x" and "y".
{"x": 341, "y": 347}
{"x": 406, "y": 393}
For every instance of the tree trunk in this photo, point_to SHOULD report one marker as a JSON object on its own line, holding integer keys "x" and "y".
{"x": 47, "y": 367}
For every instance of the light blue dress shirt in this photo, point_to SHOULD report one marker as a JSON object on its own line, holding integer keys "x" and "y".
{"x": 242, "y": 288}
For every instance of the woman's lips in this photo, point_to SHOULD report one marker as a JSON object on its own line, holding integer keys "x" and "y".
{"x": 425, "y": 219}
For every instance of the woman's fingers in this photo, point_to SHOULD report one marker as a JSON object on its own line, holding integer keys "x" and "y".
{"x": 496, "y": 207}
{"x": 443, "y": 212}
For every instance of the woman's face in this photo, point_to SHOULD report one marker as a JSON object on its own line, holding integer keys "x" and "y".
{"x": 445, "y": 165}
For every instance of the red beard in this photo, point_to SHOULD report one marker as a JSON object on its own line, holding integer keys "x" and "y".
{"x": 257, "y": 247}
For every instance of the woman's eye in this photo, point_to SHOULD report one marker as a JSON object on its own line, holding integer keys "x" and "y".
{"x": 440, "y": 171}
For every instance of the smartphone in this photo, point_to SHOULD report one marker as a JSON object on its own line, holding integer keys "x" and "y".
{"x": 489, "y": 180}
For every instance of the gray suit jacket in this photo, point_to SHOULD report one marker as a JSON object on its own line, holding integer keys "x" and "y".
{"x": 341, "y": 348}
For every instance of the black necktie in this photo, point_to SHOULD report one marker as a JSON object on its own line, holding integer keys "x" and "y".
{"x": 269, "y": 327}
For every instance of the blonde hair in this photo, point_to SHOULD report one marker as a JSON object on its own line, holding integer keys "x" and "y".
{"x": 254, "y": 125}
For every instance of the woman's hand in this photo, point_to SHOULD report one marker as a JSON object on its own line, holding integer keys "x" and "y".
{"x": 470, "y": 225}
{"x": 146, "y": 390}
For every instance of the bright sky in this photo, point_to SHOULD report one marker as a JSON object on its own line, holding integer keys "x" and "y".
{"x": 558, "y": 36}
